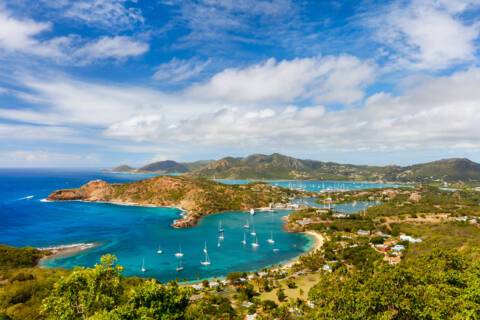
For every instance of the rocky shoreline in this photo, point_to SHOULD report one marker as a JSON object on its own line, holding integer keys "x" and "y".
{"x": 196, "y": 197}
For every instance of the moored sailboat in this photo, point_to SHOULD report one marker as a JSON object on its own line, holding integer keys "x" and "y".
{"x": 244, "y": 241}
{"x": 270, "y": 240}
{"x": 206, "y": 261}
{"x": 255, "y": 243}
{"x": 179, "y": 265}
{"x": 179, "y": 254}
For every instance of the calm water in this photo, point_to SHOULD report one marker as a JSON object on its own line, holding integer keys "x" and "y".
{"x": 134, "y": 233}
{"x": 317, "y": 186}
{"x": 348, "y": 207}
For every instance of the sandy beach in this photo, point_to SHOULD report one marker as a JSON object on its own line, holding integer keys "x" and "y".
{"x": 66, "y": 250}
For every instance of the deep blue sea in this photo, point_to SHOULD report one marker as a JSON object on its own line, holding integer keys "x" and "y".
{"x": 134, "y": 234}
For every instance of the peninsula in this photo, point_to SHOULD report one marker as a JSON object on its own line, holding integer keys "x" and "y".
{"x": 196, "y": 196}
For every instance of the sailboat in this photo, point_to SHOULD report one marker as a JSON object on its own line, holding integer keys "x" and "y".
{"x": 179, "y": 254}
{"x": 179, "y": 265}
{"x": 246, "y": 225}
{"x": 255, "y": 243}
{"x": 253, "y": 233}
{"x": 221, "y": 236}
{"x": 205, "y": 262}
{"x": 252, "y": 211}
{"x": 220, "y": 228}
{"x": 271, "y": 241}
{"x": 244, "y": 241}
{"x": 143, "y": 269}
{"x": 275, "y": 250}
{"x": 159, "y": 250}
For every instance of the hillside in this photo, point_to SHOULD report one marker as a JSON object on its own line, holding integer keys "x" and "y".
{"x": 123, "y": 168}
{"x": 167, "y": 166}
{"x": 446, "y": 170}
{"x": 196, "y": 196}
{"x": 161, "y": 167}
{"x": 277, "y": 166}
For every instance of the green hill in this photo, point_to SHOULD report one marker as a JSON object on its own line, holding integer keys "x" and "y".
{"x": 278, "y": 166}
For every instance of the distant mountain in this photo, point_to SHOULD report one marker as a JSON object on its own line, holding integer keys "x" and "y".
{"x": 454, "y": 169}
{"x": 277, "y": 166}
{"x": 123, "y": 168}
{"x": 167, "y": 166}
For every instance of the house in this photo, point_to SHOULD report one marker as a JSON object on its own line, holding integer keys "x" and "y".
{"x": 327, "y": 268}
{"x": 304, "y": 221}
{"x": 410, "y": 239}
{"x": 214, "y": 284}
{"x": 251, "y": 316}
{"x": 398, "y": 248}
{"x": 382, "y": 247}
{"x": 247, "y": 304}
{"x": 462, "y": 219}
{"x": 363, "y": 232}
{"x": 197, "y": 286}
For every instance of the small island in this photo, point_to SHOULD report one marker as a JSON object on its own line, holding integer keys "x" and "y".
{"x": 197, "y": 197}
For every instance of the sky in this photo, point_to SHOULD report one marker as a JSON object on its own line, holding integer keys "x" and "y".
{"x": 98, "y": 83}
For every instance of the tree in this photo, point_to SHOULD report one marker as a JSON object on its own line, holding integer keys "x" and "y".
{"x": 86, "y": 291}
{"x": 281, "y": 295}
{"x": 210, "y": 307}
{"x": 101, "y": 293}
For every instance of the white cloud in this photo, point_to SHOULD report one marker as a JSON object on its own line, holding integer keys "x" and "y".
{"x": 324, "y": 79}
{"x": 18, "y": 35}
{"x": 441, "y": 112}
{"x": 438, "y": 113}
{"x": 117, "y": 47}
{"x": 23, "y": 36}
{"x": 427, "y": 34}
{"x": 105, "y": 14}
{"x": 179, "y": 70}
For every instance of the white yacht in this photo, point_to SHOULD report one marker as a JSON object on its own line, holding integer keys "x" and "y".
{"x": 255, "y": 243}
{"x": 244, "y": 241}
{"x": 206, "y": 261}
{"x": 179, "y": 254}
{"x": 270, "y": 240}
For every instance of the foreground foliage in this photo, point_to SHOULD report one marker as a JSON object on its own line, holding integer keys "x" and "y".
{"x": 440, "y": 285}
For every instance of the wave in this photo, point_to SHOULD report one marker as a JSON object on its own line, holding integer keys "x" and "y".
{"x": 25, "y": 198}
{"x": 44, "y": 200}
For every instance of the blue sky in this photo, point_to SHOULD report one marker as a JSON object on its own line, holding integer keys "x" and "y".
{"x": 102, "y": 82}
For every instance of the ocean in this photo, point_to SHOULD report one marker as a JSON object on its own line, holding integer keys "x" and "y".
{"x": 134, "y": 234}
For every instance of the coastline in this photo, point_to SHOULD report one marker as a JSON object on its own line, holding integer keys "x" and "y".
{"x": 64, "y": 251}
{"x": 318, "y": 240}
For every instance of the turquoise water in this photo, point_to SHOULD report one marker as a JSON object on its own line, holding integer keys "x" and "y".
{"x": 133, "y": 234}
{"x": 348, "y": 207}
{"x": 317, "y": 186}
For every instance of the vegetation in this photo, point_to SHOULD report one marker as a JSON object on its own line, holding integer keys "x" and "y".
{"x": 277, "y": 166}
{"x": 11, "y": 257}
{"x": 439, "y": 285}
{"x": 433, "y": 273}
